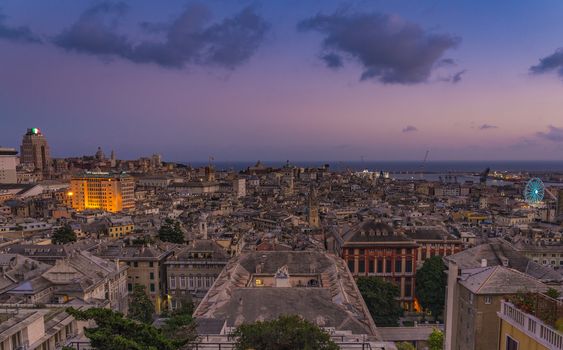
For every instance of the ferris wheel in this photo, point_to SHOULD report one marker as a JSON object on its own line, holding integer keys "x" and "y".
{"x": 534, "y": 191}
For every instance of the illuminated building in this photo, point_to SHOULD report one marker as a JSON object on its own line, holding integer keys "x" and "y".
{"x": 35, "y": 150}
{"x": 8, "y": 166}
{"x": 101, "y": 190}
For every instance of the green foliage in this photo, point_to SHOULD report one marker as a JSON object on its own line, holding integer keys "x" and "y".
{"x": 141, "y": 307}
{"x": 436, "y": 340}
{"x": 405, "y": 346}
{"x": 431, "y": 284}
{"x": 553, "y": 293}
{"x": 170, "y": 231}
{"x": 115, "y": 332}
{"x": 284, "y": 333}
{"x": 381, "y": 299}
{"x": 180, "y": 325}
{"x": 63, "y": 235}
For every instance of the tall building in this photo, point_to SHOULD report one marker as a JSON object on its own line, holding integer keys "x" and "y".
{"x": 239, "y": 187}
{"x": 100, "y": 190}
{"x": 35, "y": 150}
{"x": 8, "y": 166}
{"x": 313, "y": 215}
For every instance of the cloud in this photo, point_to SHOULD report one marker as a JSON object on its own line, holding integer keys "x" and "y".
{"x": 487, "y": 127}
{"x": 17, "y": 34}
{"x": 333, "y": 60}
{"x": 390, "y": 49}
{"x": 95, "y": 32}
{"x": 410, "y": 128}
{"x": 189, "y": 39}
{"x": 457, "y": 76}
{"x": 553, "y": 62}
{"x": 554, "y": 134}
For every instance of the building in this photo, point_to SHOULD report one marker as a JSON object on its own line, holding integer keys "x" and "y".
{"x": 35, "y": 151}
{"x": 80, "y": 279}
{"x": 375, "y": 249}
{"x": 120, "y": 227}
{"x": 145, "y": 266}
{"x": 8, "y": 162}
{"x": 478, "y": 280}
{"x": 531, "y": 329}
{"x": 313, "y": 208}
{"x": 113, "y": 192}
{"x": 317, "y": 286}
{"x": 433, "y": 241}
{"x": 192, "y": 271}
{"x": 43, "y": 329}
{"x": 239, "y": 187}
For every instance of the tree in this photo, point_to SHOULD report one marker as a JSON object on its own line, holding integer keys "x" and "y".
{"x": 284, "y": 333}
{"x": 431, "y": 284}
{"x": 170, "y": 231}
{"x": 141, "y": 307}
{"x": 553, "y": 293}
{"x": 181, "y": 326}
{"x": 436, "y": 340}
{"x": 405, "y": 346}
{"x": 115, "y": 332}
{"x": 63, "y": 235}
{"x": 381, "y": 299}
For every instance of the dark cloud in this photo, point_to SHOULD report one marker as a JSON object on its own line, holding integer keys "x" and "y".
{"x": 554, "y": 134}
{"x": 332, "y": 60}
{"x": 17, "y": 34}
{"x": 410, "y": 128}
{"x": 553, "y": 62}
{"x": 487, "y": 127}
{"x": 391, "y": 50}
{"x": 95, "y": 32}
{"x": 456, "y": 78}
{"x": 187, "y": 40}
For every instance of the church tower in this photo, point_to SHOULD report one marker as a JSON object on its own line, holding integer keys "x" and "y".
{"x": 313, "y": 215}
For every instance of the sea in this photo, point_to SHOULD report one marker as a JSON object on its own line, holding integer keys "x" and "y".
{"x": 405, "y": 167}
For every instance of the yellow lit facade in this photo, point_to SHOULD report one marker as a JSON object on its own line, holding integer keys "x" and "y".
{"x": 104, "y": 191}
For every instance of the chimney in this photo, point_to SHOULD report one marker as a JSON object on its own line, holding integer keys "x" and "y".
{"x": 483, "y": 262}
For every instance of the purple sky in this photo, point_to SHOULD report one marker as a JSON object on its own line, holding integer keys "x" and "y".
{"x": 276, "y": 80}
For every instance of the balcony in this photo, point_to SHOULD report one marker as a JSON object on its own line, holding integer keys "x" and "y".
{"x": 532, "y": 326}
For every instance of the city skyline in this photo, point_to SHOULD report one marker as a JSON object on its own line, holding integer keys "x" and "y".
{"x": 322, "y": 81}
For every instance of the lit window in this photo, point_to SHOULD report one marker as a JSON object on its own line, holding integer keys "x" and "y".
{"x": 488, "y": 299}
{"x": 258, "y": 282}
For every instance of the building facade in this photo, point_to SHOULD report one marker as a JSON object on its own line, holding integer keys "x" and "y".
{"x": 374, "y": 249}
{"x": 8, "y": 164}
{"x": 35, "y": 150}
{"x": 192, "y": 271}
{"x": 99, "y": 190}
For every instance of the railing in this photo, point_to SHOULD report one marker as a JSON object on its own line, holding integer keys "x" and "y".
{"x": 531, "y": 326}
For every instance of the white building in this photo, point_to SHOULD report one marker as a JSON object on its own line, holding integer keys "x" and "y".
{"x": 8, "y": 162}
{"x": 239, "y": 187}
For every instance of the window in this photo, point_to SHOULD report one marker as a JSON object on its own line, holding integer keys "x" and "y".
{"x": 398, "y": 265}
{"x": 135, "y": 264}
{"x": 408, "y": 266}
{"x": 151, "y": 264}
{"x": 152, "y": 287}
{"x": 351, "y": 265}
{"x": 172, "y": 282}
{"x": 130, "y": 287}
{"x": 362, "y": 266}
{"x": 511, "y": 344}
{"x": 488, "y": 299}
{"x": 151, "y": 275}
{"x": 388, "y": 265}
{"x": 183, "y": 282}
{"x": 371, "y": 265}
